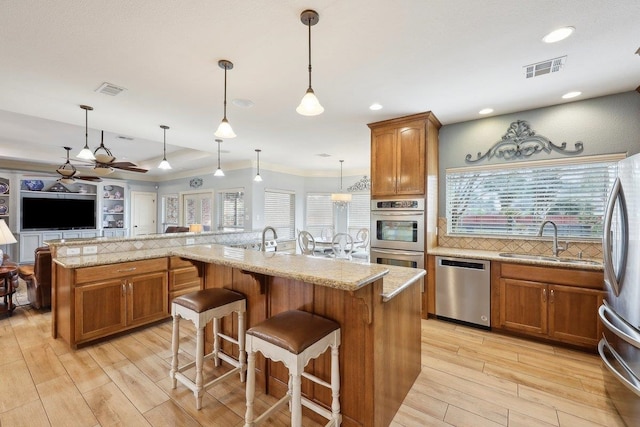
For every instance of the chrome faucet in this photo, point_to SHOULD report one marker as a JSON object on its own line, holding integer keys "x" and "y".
{"x": 264, "y": 232}
{"x": 556, "y": 248}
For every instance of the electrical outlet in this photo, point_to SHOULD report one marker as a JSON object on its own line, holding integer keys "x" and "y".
{"x": 190, "y": 240}
{"x": 73, "y": 251}
{"x": 89, "y": 250}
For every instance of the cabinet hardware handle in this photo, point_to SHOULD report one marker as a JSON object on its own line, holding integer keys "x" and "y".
{"x": 124, "y": 270}
{"x": 544, "y": 295}
{"x": 551, "y": 297}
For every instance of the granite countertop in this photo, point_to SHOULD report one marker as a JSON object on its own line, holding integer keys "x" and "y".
{"x": 338, "y": 274}
{"x": 594, "y": 265}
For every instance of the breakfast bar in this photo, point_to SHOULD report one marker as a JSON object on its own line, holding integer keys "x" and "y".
{"x": 377, "y": 307}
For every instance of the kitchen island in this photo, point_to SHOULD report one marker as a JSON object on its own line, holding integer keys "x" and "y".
{"x": 377, "y": 307}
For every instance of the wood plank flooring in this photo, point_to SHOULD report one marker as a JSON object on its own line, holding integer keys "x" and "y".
{"x": 469, "y": 377}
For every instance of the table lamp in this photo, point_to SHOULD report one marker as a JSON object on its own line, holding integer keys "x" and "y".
{"x": 6, "y": 238}
{"x": 196, "y": 228}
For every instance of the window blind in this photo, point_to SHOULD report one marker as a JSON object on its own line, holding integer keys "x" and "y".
{"x": 359, "y": 212}
{"x": 231, "y": 209}
{"x": 514, "y": 199}
{"x": 279, "y": 212}
{"x": 319, "y": 213}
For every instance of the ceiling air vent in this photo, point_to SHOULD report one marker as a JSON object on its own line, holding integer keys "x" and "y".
{"x": 545, "y": 67}
{"x": 110, "y": 89}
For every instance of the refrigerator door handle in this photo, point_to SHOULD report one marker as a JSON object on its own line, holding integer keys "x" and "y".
{"x": 614, "y": 275}
{"x": 630, "y": 380}
{"x": 625, "y": 331}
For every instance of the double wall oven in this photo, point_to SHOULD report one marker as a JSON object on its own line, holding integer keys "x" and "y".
{"x": 397, "y": 232}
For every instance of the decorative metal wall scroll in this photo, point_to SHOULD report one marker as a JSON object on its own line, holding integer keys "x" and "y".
{"x": 363, "y": 185}
{"x": 521, "y": 141}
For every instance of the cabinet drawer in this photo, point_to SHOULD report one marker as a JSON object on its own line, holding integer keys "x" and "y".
{"x": 560, "y": 276}
{"x": 111, "y": 271}
{"x": 182, "y": 278}
{"x": 177, "y": 262}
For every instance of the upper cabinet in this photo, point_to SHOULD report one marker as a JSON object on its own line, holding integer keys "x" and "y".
{"x": 404, "y": 152}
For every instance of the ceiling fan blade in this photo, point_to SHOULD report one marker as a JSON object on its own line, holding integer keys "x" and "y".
{"x": 128, "y": 166}
{"x": 89, "y": 178}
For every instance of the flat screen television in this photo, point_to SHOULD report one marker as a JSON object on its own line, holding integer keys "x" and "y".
{"x": 39, "y": 213}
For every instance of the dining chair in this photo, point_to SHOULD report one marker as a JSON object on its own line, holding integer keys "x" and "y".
{"x": 306, "y": 242}
{"x": 361, "y": 249}
{"x": 342, "y": 246}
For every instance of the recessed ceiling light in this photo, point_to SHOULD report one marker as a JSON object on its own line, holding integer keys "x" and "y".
{"x": 242, "y": 103}
{"x": 375, "y": 106}
{"x": 486, "y": 111}
{"x": 559, "y": 34}
{"x": 571, "y": 95}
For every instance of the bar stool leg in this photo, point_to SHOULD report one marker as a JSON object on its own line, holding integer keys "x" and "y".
{"x": 241, "y": 346}
{"x": 335, "y": 385}
{"x": 199, "y": 362}
{"x": 250, "y": 388}
{"x": 175, "y": 340}
{"x": 296, "y": 400}
{"x": 216, "y": 341}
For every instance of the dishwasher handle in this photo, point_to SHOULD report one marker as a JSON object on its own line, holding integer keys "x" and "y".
{"x": 462, "y": 264}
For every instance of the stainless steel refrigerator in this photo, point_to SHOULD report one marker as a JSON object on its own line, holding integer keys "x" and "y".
{"x": 619, "y": 348}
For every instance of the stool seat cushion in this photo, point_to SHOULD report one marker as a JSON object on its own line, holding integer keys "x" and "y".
{"x": 25, "y": 271}
{"x": 207, "y": 299}
{"x": 294, "y": 330}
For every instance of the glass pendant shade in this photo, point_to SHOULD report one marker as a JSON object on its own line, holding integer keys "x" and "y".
{"x": 86, "y": 153}
{"x": 310, "y": 106}
{"x": 102, "y": 170}
{"x": 164, "y": 164}
{"x": 224, "y": 130}
{"x": 219, "y": 171}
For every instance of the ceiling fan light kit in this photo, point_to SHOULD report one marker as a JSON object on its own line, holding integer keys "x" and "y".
{"x": 164, "y": 164}
{"x": 309, "y": 106}
{"x": 86, "y": 153}
{"x": 224, "y": 129}
{"x": 68, "y": 172}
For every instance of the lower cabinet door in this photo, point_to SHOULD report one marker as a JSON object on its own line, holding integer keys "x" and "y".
{"x": 147, "y": 298}
{"x": 523, "y": 306}
{"x": 573, "y": 315}
{"x": 100, "y": 309}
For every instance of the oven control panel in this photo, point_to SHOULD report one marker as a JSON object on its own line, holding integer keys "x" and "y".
{"x": 398, "y": 204}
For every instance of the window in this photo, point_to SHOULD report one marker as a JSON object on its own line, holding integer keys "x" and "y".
{"x": 231, "y": 209}
{"x": 319, "y": 213}
{"x": 359, "y": 213}
{"x": 279, "y": 212}
{"x": 170, "y": 208}
{"x": 515, "y": 199}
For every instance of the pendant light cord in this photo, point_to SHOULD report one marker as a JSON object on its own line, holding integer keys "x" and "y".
{"x": 225, "y": 93}
{"x": 309, "y": 26}
{"x": 341, "y": 161}
{"x": 164, "y": 150}
{"x": 218, "y": 154}
{"x": 86, "y": 128}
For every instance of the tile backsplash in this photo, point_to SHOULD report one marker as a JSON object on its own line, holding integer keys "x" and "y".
{"x": 536, "y": 246}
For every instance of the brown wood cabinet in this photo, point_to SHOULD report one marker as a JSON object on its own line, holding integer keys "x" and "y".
{"x": 556, "y": 304}
{"x": 403, "y": 152}
{"x": 94, "y": 302}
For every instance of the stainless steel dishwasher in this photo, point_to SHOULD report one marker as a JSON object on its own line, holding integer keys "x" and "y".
{"x": 463, "y": 290}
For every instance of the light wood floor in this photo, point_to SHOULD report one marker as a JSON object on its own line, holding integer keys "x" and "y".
{"x": 469, "y": 378}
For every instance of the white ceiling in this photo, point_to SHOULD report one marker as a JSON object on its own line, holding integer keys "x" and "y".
{"x": 453, "y": 57}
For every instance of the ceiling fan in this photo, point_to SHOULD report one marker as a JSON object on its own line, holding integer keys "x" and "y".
{"x": 68, "y": 172}
{"x": 105, "y": 162}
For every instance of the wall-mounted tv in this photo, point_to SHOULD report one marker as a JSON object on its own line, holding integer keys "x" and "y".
{"x": 39, "y": 213}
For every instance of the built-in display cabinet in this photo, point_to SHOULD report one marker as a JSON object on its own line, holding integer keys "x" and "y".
{"x": 113, "y": 210}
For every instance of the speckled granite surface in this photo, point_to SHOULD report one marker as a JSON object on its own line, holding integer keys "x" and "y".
{"x": 333, "y": 273}
{"x": 495, "y": 256}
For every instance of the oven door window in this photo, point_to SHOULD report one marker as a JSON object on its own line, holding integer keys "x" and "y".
{"x": 399, "y": 262}
{"x": 397, "y": 231}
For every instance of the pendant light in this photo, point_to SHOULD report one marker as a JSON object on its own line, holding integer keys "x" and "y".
{"x": 164, "y": 164}
{"x": 309, "y": 106}
{"x": 219, "y": 171}
{"x": 258, "y": 178}
{"x": 86, "y": 153}
{"x": 224, "y": 130}
{"x": 341, "y": 199}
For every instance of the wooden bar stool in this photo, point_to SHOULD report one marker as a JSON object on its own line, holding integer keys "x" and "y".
{"x": 293, "y": 338}
{"x": 200, "y": 307}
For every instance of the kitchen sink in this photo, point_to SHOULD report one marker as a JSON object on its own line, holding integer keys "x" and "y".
{"x": 550, "y": 258}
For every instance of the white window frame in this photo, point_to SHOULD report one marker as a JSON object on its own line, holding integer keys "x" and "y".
{"x": 239, "y": 211}
{"x": 285, "y": 225}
